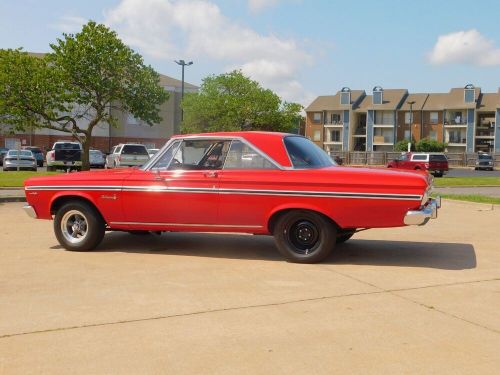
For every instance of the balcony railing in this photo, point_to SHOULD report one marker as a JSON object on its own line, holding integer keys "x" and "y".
{"x": 329, "y": 122}
{"x": 360, "y": 131}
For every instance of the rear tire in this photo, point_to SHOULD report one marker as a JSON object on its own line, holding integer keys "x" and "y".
{"x": 304, "y": 236}
{"x": 78, "y": 226}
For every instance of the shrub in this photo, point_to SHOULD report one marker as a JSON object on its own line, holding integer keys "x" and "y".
{"x": 403, "y": 146}
{"x": 430, "y": 145}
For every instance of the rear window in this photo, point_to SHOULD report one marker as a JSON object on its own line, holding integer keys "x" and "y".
{"x": 66, "y": 146}
{"x": 419, "y": 157}
{"x": 135, "y": 150}
{"x": 34, "y": 150}
{"x": 437, "y": 158}
{"x": 305, "y": 154}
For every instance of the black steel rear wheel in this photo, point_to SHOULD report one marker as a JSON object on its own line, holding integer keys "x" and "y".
{"x": 304, "y": 236}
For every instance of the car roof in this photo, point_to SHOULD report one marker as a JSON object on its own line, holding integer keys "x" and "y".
{"x": 271, "y": 143}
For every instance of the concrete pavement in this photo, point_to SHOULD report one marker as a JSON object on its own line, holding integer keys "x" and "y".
{"x": 401, "y": 300}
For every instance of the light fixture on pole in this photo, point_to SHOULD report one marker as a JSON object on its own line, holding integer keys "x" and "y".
{"x": 183, "y": 64}
{"x": 411, "y": 122}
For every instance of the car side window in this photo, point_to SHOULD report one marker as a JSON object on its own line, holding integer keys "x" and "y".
{"x": 403, "y": 157}
{"x": 243, "y": 156}
{"x": 419, "y": 157}
{"x": 200, "y": 154}
{"x": 164, "y": 160}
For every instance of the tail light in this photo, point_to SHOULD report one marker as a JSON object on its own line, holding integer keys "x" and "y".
{"x": 426, "y": 165}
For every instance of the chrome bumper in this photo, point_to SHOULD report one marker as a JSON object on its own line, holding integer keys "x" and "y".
{"x": 30, "y": 211}
{"x": 422, "y": 216}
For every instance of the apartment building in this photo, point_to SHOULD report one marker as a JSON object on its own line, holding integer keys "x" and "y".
{"x": 465, "y": 118}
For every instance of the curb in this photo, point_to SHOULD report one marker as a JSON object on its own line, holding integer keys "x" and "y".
{"x": 491, "y": 206}
{"x": 12, "y": 199}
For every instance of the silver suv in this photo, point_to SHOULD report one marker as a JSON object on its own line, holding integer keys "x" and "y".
{"x": 127, "y": 155}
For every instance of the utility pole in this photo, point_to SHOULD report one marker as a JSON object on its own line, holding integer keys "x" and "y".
{"x": 411, "y": 122}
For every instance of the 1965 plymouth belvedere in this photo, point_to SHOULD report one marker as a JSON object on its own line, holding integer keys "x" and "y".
{"x": 252, "y": 182}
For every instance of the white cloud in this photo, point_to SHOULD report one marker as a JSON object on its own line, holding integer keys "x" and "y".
{"x": 465, "y": 47}
{"x": 258, "y": 5}
{"x": 70, "y": 24}
{"x": 167, "y": 29}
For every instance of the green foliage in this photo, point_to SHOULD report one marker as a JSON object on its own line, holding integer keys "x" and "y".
{"x": 403, "y": 146}
{"x": 81, "y": 83}
{"x": 430, "y": 145}
{"x": 231, "y": 101}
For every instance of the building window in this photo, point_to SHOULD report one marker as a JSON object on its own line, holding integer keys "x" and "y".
{"x": 407, "y": 118}
{"x": 378, "y": 95}
{"x": 433, "y": 135}
{"x": 131, "y": 120}
{"x": 434, "y": 117}
{"x": 335, "y": 118}
{"x": 384, "y": 118}
{"x": 335, "y": 136}
{"x": 345, "y": 98}
{"x": 317, "y": 135}
{"x": 317, "y": 117}
{"x": 469, "y": 95}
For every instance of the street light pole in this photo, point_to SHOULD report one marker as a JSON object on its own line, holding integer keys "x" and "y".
{"x": 183, "y": 64}
{"x": 411, "y": 122}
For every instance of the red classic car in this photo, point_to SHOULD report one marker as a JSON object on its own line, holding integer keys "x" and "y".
{"x": 252, "y": 182}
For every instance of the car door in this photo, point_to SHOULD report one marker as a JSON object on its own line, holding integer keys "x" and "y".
{"x": 246, "y": 177}
{"x": 180, "y": 189}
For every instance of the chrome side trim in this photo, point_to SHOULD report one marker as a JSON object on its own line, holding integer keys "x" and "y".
{"x": 30, "y": 211}
{"x": 422, "y": 216}
{"x": 214, "y": 190}
{"x": 185, "y": 225}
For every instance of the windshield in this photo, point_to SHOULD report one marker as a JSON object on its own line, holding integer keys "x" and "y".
{"x": 305, "y": 154}
{"x": 485, "y": 157}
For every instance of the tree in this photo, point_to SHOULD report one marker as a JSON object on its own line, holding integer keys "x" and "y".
{"x": 73, "y": 88}
{"x": 430, "y": 145}
{"x": 232, "y": 101}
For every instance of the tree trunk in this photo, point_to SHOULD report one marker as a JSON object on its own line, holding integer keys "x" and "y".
{"x": 85, "y": 152}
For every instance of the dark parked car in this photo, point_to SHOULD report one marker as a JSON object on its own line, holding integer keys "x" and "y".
{"x": 3, "y": 152}
{"x": 37, "y": 152}
{"x": 484, "y": 161}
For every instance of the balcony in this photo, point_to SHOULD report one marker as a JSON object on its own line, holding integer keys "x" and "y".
{"x": 360, "y": 132}
{"x": 333, "y": 123}
{"x": 456, "y": 119}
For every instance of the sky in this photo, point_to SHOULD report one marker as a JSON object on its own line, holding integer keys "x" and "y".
{"x": 300, "y": 49}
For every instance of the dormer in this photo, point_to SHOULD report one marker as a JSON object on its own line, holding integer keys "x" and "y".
{"x": 345, "y": 96}
{"x": 378, "y": 95}
{"x": 469, "y": 93}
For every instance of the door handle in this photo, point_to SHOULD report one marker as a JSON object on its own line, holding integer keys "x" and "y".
{"x": 211, "y": 174}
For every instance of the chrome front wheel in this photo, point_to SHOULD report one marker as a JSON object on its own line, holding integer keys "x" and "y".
{"x": 78, "y": 226}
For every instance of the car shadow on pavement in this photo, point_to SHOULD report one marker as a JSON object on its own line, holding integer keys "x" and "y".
{"x": 449, "y": 256}
{"x": 441, "y": 255}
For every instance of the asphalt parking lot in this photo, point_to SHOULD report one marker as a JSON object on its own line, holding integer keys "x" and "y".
{"x": 403, "y": 300}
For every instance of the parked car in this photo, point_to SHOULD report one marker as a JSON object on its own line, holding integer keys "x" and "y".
{"x": 19, "y": 160}
{"x": 152, "y": 151}
{"x": 252, "y": 182}
{"x": 3, "y": 152}
{"x": 64, "y": 155}
{"x": 434, "y": 163}
{"x": 96, "y": 159}
{"x": 484, "y": 161}
{"x": 127, "y": 155}
{"x": 38, "y": 153}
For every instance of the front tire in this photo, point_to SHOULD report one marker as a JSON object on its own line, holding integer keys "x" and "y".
{"x": 304, "y": 236}
{"x": 78, "y": 226}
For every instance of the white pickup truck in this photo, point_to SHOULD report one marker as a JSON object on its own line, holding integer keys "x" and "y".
{"x": 64, "y": 155}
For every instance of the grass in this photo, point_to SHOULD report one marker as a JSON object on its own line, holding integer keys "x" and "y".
{"x": 16, "y": 179}
{"x": 466, "y": 181}
{"x": 476, "y": 198}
